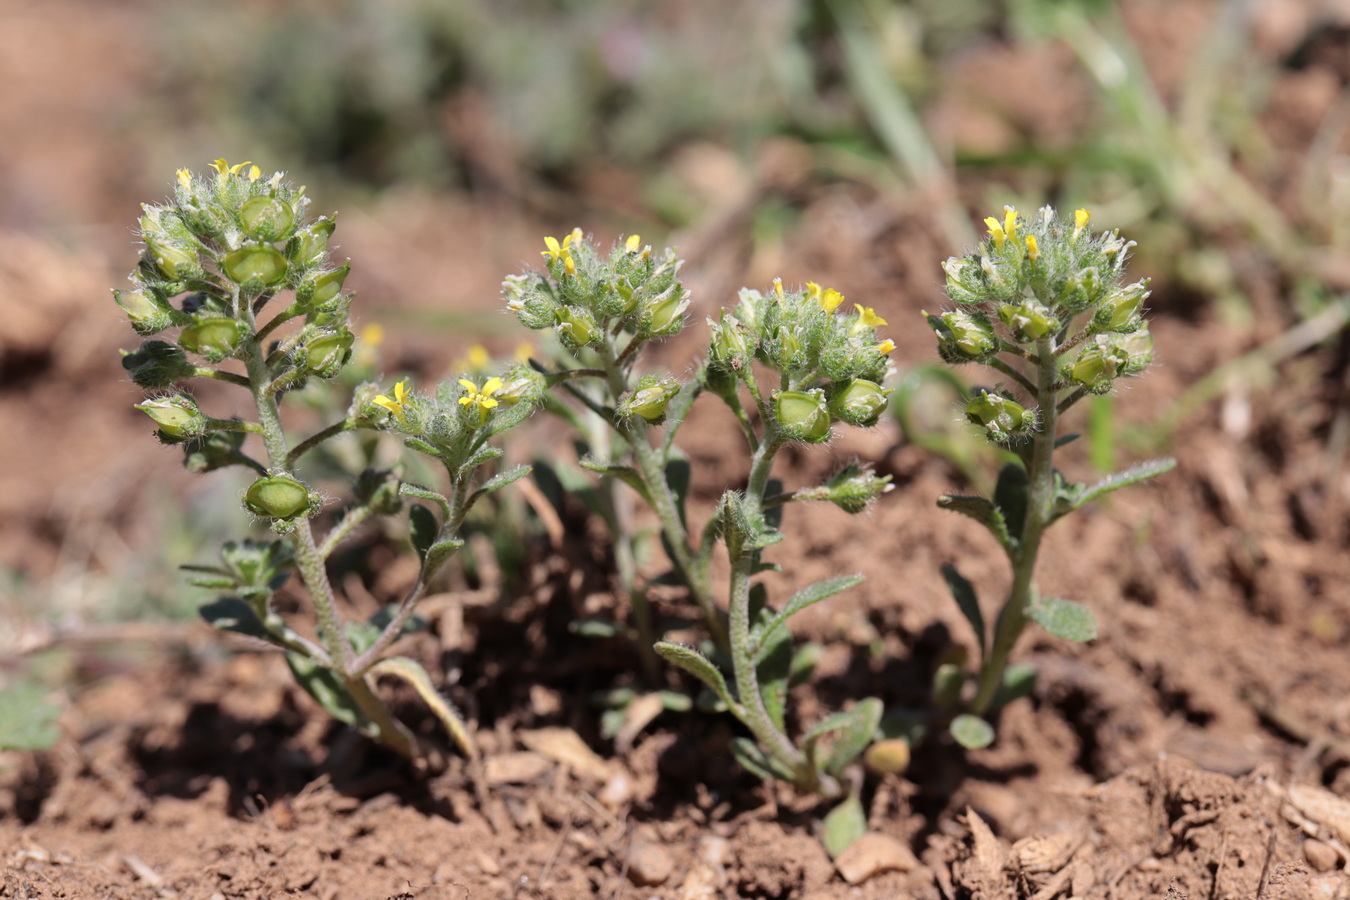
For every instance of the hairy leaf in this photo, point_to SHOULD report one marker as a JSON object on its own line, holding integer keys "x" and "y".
{"x": 843, "y": 825}
{"x": 700, "y": 667}
{"x": 854, "y": 729}
{"x": 966, "y": 600}
{"x": 757, "y": 762}
{"x": 1010, "y": 495}
{"x": 799, "y": 601}
{"x": 972, "y": 732}
{"x": 413, "y": 673}
{"x": 1064, "y": 618}
{"x": 233, "y": 614}
{"x": 982, "y": 510}
{"x": 1133, "y": 475}
{"x": 324, "y": 685}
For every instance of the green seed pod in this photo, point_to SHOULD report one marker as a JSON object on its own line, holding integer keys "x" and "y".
{"x": 576, "y": 326}
{"x": 277, "y": 496}
{"x": 267, "y": 218}
{"x": 255, "y": 265}
{"x": 649, "y": 399}
{"x": 147, "y": 315}
{"x": 213, "y": 338}
{"x": 521, "y": 384}
{"x": 664, "y": 314}
{"x": 175, "y": 263}
{"x": 1138, "y": 349}
{"x": 1121, "y": 311}
{"x": 730, "y": 345}
{"x": 309, "y": 245}
{"x": 858, "y": 402}
{"x": 1002, "y": 418}
{"x": 1029, "y": 320}
{"x": 1099, "y": 363}
{"x": 327, "y": 353}
{"x": 803, "y": 415}
{"x": 318, "y": 290}
{"x": 157, "y": 365}
{"x": 963, "y": 337}
{"x": 178, "y": 418}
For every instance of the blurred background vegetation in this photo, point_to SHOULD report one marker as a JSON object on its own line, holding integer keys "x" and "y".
{"x": 1213, "y": 132}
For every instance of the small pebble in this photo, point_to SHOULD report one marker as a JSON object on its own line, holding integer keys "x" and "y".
{"x": 649, "y": 865}
{"x": 617, "y": 791}
{"x": 1320, "y": 856}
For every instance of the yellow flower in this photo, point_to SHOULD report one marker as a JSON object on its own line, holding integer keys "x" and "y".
{"x": 1080, "y": 220}
{"x": 224, "y": 168}
{"x": 481, "y": 397}
{"x": 634, "y": 243}
{"x": 828, "y": 298}
{"x": 996, "y": 232}
{"x": 561, "y": 252}
{"x": 1009, "y": 221}
{"x": 868, "y": 316}
{"x": 398, "y": 403}
{"x": 184, "y": 178}
{"x": 886, "y": 346}
{"x": 778, "y": 288}
{"x": 1033, "y": 250}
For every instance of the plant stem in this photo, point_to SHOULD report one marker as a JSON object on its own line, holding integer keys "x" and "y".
{"x": 753, "y": 711}
{"x": 1012, "y": 620}
{"x": 312, "y": 567}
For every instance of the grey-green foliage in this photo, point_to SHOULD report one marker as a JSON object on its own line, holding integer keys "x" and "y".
{"x": 1043, "y": 303}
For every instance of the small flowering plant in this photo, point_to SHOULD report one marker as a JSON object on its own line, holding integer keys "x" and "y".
{"x": 791, "y": 367}
{"x": 1041, "y": 303}
{"x": 236, "y": 285}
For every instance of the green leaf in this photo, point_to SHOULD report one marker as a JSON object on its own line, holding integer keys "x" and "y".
{"x": 1133, "y": 475}
{"x": 500, "y": 480}
{"x": 1018, "y": 681}
{"x": 972, "y": 732}
{"x": 843, "y": 825}
{"x": 757, "y": 762}
{"x": 439, "y": 552}
{"x": 233, "y": 614}
{"x": 627, "y": 474}
{"x": 982, "y": 510}
{"x": 678, "y": 476}
{"x": 27, "y": 718}
{"x": 853, "y": 730}
{"x": 966, "y": 600}
{"x": 596, "y": 628}
{"x": 700, "y": 667}
{"x": 948, "y": 681}
{"x": 804, "y": 662}
{"x": 1010, "y": 495}
{"x": 424, "y": 528}
{"x": 328, "y": 690}
{"x": 799, "y": 601}
{"x": 1064, "y": 618}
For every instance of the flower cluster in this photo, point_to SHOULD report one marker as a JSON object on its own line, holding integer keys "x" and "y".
{"x": 829, "y": 357}
{"x": 587, "y": 297}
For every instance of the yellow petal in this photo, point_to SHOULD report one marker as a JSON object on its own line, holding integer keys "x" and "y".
{"x": 553, "y": 250}
{"x": 1033, "y": 250}
{"x": 633, "y": 243}
{"x": 486, "y": 403}
{"x": 831, "y": 300}
{"x": 886, "y": 346}
{"x": 254, "y": 173}
{"x": 1080, "y": 218}
{"x": 868, "y": 315}
{"x": 778, "y": 288}
{"x": 184, "y": 177}
{"x": 1009, "y": 220}
{"x": 493, "y": 384}
{"x": 468, "y": 385}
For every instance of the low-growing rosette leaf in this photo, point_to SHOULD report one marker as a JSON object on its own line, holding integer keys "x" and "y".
{"x": 1064, "y": 618}
{"x": 757, "y": 762}
{"x": 853, "y": 730}
{"x": 843, "y": 825}
{"x": 971, "y": 732}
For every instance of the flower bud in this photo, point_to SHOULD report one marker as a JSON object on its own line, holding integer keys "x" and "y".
{"x": 318, "y": 290}
{"x": 1001, "y": 417}
{"x": 157, "y": 365}
{"x": 277, "y": 496}
{"x": 309, "y": 245}
{"x": 1029, "y": 320}
{"x": 650, "y": 399}
{"x": 1098, "y": 363}
{"x": 178, "y": 417}
{"x": 854, "y": 487}
{"x": 213, "y": 338}
{"x": 803, "y": 415}
{"x": 328, "y": 352}
{"x": 147, "y": 315}
{"x": 266, "y": 218}
{"x": 255, "y": 265}
{"x": 576, "y": 327}
{"x": 859, "y": 402}
{"x": 962, "y": 336}
{"x": 1138, "y": 349}
{"x": 176, "y": 263}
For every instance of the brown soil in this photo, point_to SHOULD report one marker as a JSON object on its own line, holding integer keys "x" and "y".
{"x": 1199, "y": 748}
